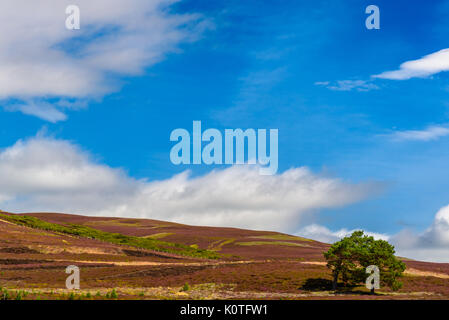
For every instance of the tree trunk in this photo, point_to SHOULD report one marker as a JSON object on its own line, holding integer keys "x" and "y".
{"x": 334, "y": 283}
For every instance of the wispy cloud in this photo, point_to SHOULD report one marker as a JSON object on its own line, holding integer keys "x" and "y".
{"x": 41, "y": 60}
{"x": 255, "y": 94}
{"x": 43, "y": 110}
{"x": 426, "y": 66}
{"x": 348, "y": 85}
{"x": 428, "y": 134}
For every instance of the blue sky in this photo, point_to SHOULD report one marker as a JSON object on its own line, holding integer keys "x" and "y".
{"x": 303, "y": 67}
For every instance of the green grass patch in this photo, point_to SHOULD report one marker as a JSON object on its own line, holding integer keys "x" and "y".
{"x": 218, "y": 245}
{"x": 284, "y": 237}
{"x": 115, "y": 238}
{"x": 272, "y": 243}
{"x": 116, "y": 222}
{"x": 162, "y": 225}
{"x": 158, "y": 235}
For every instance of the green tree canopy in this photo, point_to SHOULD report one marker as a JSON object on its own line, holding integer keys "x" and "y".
{"x": 349, "y": 258}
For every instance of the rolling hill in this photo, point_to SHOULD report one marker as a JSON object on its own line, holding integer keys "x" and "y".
{"x": 151, "y": 259}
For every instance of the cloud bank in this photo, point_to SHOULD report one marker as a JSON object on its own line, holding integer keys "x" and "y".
{"x": 41, "y": 59}
{"x": 45, "y": 174}
{"x": 431, "y": 245}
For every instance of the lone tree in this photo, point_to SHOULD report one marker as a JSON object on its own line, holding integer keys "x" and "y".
{"x": 349, "y": 257}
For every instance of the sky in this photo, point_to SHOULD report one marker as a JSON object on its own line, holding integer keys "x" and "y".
{"x": 362, "y": 115}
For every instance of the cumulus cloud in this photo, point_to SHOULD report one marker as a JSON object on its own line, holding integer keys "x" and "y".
{"x": 430, "y": 133}
{"x": 40, "y": 58}
{"x": 45, "y": 174}
{"x": 323, "y": 234}
{"x": 348, "y": 85}
{"x": 431, "y": 245}
{"x": 426, "y": 66}
{"x": 438, "y": 233}
{"x": 44, "y": 171}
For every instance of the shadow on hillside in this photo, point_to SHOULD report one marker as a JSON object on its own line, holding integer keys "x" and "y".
{"x": 320, "y": 284}
{"x": 317, "y": 284}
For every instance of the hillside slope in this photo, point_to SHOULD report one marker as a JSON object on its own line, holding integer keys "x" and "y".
{"x": 155, "y": 259}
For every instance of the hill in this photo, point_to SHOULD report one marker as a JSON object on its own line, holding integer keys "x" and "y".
{"x": 151, "y": 259}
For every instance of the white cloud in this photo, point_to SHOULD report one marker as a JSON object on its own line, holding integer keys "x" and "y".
{"x": 431, "y": 245}
{"x": 43, "y": 110}
{"x": 426, "y": 66}
{"x": 438, "y": 233}
{"x": 323, "y": 234}
{"x": 430, "y": 133}
{"x": 348, "y": 85}
{"x": 44, "y": 174}
{"x": 41, "y": 59}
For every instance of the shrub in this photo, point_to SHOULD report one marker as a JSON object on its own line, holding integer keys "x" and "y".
{"x": 185, "y": 287}
{"x": 4, "y": 295}
{"x": 112, "y": 294}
